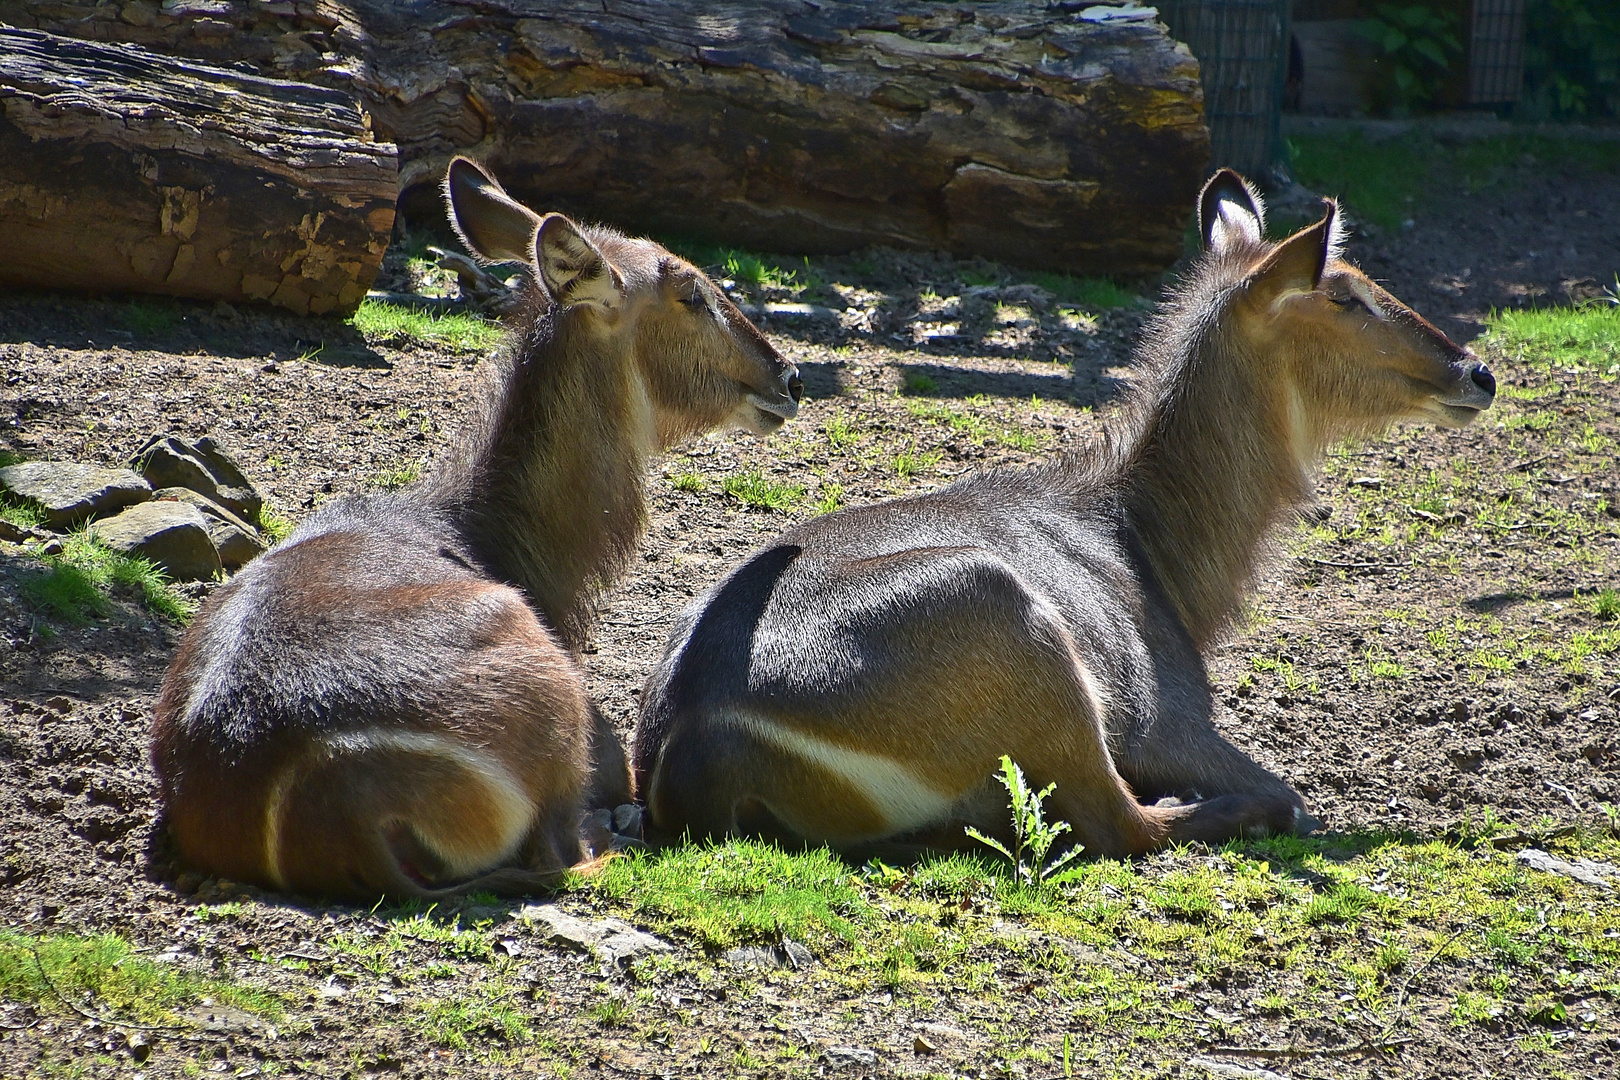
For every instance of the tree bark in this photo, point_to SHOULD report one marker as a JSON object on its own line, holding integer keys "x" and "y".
{"x": 1054, "y": 136}
{"x": 125, "y": 170}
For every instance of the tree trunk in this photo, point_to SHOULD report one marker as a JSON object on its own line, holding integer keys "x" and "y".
{"x": 125, "y": 170}
{"x": 1060, "y": 136}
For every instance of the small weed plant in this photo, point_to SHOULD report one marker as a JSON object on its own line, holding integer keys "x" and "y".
{"x": 753, "y": 488}
{"x": 1033, "y": 835}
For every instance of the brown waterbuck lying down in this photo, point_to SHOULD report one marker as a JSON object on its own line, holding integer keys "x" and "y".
{"x": 856, "y": 682}
{"x": 387, "y": 703}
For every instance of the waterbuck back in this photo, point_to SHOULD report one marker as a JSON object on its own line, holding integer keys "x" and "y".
{"x": 857, "y": 681}
{"x": 388, "y": 703}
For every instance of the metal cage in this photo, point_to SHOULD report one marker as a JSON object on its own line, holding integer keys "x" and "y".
{"x": 1242, "y": 49}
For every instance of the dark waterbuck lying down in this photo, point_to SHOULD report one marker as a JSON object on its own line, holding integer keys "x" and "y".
{"x": 387, "y": 702}
{"x": 856, "y": 682}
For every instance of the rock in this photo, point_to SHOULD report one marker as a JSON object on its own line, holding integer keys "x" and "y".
{"x": 627, "y": 820}
{"x": 789, "y": 954}
{"x": 201, "y": 467}
{"x": 1226, "y": 1069}
{"x": 172, "y": 534}
{"x": 612, "y": 941}
{"x": 1602, "y": 875}
{"x": 235, "y": 489}
{"x": 850, "y": 1057}
{"x": 21, "y": 534}
{"x": 237, "y": 541}
{"x": 67, "y": 492}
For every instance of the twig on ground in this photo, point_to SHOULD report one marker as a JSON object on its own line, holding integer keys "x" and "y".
{"x": 1519, "y": 839}
{"x": 1521, "y": 466}
{"x": 1354, "y": 565}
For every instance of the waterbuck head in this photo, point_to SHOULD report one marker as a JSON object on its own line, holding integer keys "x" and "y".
{"x": 1347, "y": 355}
{"x": 698, "y": 360}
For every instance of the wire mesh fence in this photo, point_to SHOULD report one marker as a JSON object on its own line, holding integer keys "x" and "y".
{"x": 1242, "y": 49}
{"x": 1496, "y": 52}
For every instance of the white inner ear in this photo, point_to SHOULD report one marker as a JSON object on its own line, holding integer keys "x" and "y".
{"x": 1233, "y": 223}
{"x": 575, "y": 272}
{"x": 1338, "y": 233}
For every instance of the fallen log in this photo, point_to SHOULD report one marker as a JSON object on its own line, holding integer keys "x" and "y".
{"x": 125, "y": 170}
{"x": 1064, "y": 136}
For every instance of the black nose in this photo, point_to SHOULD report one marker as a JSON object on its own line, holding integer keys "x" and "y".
{"x": 796, "y": 386}
{"x": 1482, "y": 378}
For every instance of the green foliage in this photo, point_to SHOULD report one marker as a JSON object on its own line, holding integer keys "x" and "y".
{"x": 832, "y": 497}
{"x": 1571, "y": 59}
{"x": 119, "y": 981}
{"x": 1418, "y": 44}
{"x": 1092, "y": 293}
{"x": 754, "y": 488}
{"x": 918, "y": 383}
{"x": 841, "y": 431}
{"x": 687, "y": 481}
{"x": 150, "y": 317}
{"x": 1384, "y": 180}
{"x": 1606, "y": 605}
{"x": 1583, "y": 339}
{"x": 740, "y": 892}
{"x": 74, "y": 588}
{"x": 274, "y": 524}
{"x": 1032, "y": 834}
{"x": 398, "y": 476}
{"x": 395, "y": 324}
{"x": 19, "y": 513}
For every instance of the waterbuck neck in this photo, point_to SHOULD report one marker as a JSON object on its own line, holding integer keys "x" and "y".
{"x": 1219, "y": 449}
{"x": 545, "y": 482}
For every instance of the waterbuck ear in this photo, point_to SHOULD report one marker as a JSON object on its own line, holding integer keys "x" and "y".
{"x": 1296, "y": 264}
{"x": 574, "y": 270}
{"x": 494, "y": 226}
{"x": 1230, "y": 210}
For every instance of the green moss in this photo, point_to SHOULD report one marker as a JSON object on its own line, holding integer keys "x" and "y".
{"x": 387, "y": 323}
{"x": 115, "y": 980}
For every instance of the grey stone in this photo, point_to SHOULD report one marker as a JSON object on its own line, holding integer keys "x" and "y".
{"x": 202, "y": 467}
{"x": 850, "y": 1057}
{"x": 627, "y": 820}
{"x": 1230, "y": 1071}
{"x": 237, "y": 541}
{"x": 789, "y": 954}
{"x": 66, "y": 492}
{"x": 612, "y": 941}
{"x": 1601, "y": 875}
{"x": 172, "y": 534}
{"x": 21, "y": 534}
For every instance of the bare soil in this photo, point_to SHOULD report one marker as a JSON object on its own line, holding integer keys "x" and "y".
{"x": 1435, "y": 742}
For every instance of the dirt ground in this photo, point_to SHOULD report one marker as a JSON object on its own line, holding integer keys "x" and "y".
{"x": 1427, "y": 742}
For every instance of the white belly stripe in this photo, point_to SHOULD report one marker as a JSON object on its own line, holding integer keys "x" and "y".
{"x": 902, "y": 797}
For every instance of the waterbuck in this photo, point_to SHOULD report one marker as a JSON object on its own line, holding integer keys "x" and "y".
{"x": 388, "y": 702}
{"x": 855, "y": 682}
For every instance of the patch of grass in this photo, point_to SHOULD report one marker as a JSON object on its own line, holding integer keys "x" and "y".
{"x": 398, "y": 476}
{"x": 832, "y": 498}
{"x": 149, "y": 317}
{"x": 75, "y": 586}
{"x": 908, "y": 463}
{"x": 1384, "y": 180}
{"x": 740, "y": 892}
{"x": 1583, "y": 339}
{"x": 396, "y": 324}
{"x": 687, "y": 481}
{"x": 1606, "y": 605}
{"x": 274, "y": 524}
{"x": 1093, "y": 293}
{"x": 841, "y": 431}
{"x": 469, "y": 1020}
{"x": 104, "y": 973}
{"x": 918, "y": 383}
{"x": 754, "y": 488}
{"x": 20, "y": 513}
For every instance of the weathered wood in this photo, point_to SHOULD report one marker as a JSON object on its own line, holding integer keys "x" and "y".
{"x": 1048, "y": 135}
{"x": 125, "y": 170}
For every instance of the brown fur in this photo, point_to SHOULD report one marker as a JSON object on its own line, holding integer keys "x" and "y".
{"x": 387, "y": 703}
{"x": 856, "y": 682}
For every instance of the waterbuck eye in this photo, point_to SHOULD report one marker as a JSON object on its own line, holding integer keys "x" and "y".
{"x": 694, "y": 297}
